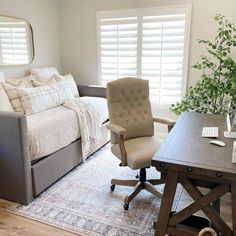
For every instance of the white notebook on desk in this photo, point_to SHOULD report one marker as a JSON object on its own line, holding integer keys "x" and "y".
{"x": 210, "y": 132}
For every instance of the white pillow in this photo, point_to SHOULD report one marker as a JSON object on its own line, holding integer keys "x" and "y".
{"x": 5, "y": 104}
{"x": 44, "y": 97}
{"x": 70, "y": 81}
{"x": 44, "y": 72}
{"x": 2, "y": 77}
{"x": 13, "y": 97}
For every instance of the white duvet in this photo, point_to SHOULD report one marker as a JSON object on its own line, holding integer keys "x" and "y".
{"x": 56, "y": 128}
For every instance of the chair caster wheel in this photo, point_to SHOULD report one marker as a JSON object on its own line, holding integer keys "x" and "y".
{"x": 112, "y": 187}
{"x": 126, "y": 207}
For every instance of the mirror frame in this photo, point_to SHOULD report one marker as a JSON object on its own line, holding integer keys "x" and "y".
{"x": 31, "y": 43}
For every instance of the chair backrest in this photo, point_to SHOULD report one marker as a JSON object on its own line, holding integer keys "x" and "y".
{"x": 129, "y": 106}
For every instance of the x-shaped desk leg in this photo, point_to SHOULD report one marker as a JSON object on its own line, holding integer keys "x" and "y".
{"x": 202, "y": 202}
{"x": 166, "y": 203}
{"x": 233, "y": 198}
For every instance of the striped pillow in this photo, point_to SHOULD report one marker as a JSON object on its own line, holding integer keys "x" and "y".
{"x": 41, "y": 98}
{"x": 13, "y": 97}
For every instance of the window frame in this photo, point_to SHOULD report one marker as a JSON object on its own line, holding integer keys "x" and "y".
{"x": 141, "y": 12}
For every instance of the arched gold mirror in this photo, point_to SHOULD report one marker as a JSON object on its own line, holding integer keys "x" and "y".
{"x": 16, "y": 41}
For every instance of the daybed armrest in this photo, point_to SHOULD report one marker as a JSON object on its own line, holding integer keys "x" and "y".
{"x": 170, "y": 123}
{"x": 92, "y": 91}
{"x": 120, "y": 131}
{"x": 15, "y": 166}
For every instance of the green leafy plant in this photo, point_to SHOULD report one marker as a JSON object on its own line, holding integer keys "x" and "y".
{"x": 217, "y": 86}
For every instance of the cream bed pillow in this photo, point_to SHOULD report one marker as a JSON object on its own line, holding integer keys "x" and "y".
{"x": 70, "y": 81}
{"x": 2, "y": 77}
{"x": 44, "y": 73}
{"x": 5, "y": 104}
{"x": 41, "y": 98}
{"x": 25, "y": 81}
{"x": 39, "y": 82}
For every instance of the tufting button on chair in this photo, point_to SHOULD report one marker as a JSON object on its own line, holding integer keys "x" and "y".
{"x": 132, "y": 135}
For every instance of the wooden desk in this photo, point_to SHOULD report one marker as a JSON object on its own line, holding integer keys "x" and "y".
{"x": 187, "y": 158}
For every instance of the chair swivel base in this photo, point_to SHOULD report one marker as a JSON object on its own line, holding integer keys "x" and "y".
{"x": 139, "y": 185}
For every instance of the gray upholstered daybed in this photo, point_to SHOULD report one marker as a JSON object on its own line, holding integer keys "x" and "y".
{"x": 22, "y": 179}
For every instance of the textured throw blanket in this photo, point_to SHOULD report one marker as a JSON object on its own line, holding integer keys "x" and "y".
{"x": 89, "y": 122}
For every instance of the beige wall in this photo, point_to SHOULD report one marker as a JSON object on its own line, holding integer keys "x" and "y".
{"x": 78, "y": 30}
{"x": 43, "y": 16}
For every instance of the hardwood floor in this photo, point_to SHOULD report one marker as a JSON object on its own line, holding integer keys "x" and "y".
{"x": 13, "y": 225}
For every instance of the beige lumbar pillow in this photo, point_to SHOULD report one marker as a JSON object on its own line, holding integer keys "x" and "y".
{"x": 5, "y": 104}
{"x": 70, "y": 81}
{"x": 41, "y": 98}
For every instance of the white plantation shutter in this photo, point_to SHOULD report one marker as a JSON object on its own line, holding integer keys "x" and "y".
{"x": 148, "y": 43}
{"x": 163, "y": 40}
{"x": 118, "y": 48}
{"x": 14, "y": 47}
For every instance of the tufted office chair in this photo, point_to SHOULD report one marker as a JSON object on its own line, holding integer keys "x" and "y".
{"x": 132, "y": 130}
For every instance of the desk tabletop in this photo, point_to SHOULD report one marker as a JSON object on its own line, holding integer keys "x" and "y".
{"x": 185, "y": 146}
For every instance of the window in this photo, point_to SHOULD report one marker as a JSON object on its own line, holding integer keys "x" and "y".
{"x": 150, "y": 44}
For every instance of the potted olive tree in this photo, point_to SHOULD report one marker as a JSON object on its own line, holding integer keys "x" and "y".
{"x": 217, "y": 86}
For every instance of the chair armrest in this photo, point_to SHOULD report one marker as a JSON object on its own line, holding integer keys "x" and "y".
{"x": 15, "y": 166}
{"x": 116, "y": 129}
{"x": 170, "y": 123}
{"x": 120, "y": 131}
{"x": 164, "y": 121}
{"x": 92, "y": 91}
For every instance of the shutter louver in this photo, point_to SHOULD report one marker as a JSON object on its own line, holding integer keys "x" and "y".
{"x": 14, "y": 47}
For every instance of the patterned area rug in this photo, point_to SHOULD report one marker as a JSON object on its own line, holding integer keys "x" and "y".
{"x": 81, "y": 202}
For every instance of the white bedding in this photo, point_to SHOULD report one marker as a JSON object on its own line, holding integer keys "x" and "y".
{"x": 56, "y": 128}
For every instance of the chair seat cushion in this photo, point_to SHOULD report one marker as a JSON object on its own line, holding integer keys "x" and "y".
{"x": 139, "y": 151}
